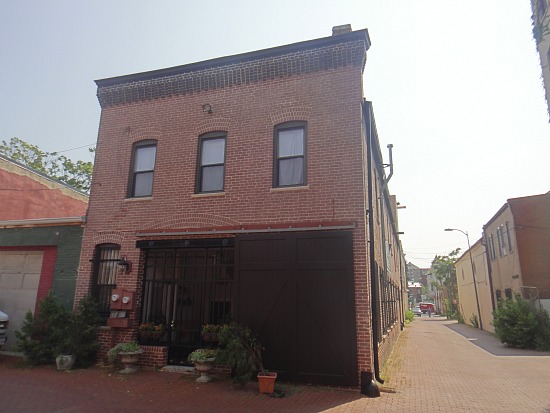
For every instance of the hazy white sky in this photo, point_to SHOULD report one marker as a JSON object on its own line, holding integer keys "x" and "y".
{"x": 455, "y": 85}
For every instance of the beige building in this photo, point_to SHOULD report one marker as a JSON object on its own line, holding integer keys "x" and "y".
{"x": 511, "y": 258}
{"x": 541, "y": 33}
{"x": 470, "y": 297}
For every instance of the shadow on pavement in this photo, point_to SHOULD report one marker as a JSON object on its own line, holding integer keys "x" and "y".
{"x": 490, "y": 343}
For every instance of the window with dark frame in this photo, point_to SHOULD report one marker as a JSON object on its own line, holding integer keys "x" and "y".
{"x": 509, "y": 236}
{"x": 508, "y": 293}
{"x": 211, "y": 165}
{"x": 290, "y": 155}
{"x": 106, "y": 259}
{"x": 492, "y": 254}
{"x": 143, "y": 169}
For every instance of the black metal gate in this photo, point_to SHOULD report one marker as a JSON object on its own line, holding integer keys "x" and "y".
{"x": 187, "y": 284}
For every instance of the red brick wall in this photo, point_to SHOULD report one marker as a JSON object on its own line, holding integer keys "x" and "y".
{"x": 39, "y": 200}
{"x": 329, "y": 101}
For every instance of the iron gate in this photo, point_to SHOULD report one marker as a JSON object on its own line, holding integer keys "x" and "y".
{"x": 187, "y": 284}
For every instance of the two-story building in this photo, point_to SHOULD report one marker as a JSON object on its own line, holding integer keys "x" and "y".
{"x": 511, "y": 259}
{"x": 249, "y": 188}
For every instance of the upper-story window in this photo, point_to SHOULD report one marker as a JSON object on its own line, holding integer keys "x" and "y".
{"x": 492, "y": 254}
{"x": 509, "y": 236}
{"x": 501, "y": 241}
{"x": 211, "y": 165}
{"x": 290, "y": 154}
{"x": 143, "y": 169}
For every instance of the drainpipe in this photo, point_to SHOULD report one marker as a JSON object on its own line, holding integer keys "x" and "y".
{"x": 368, "y": 384}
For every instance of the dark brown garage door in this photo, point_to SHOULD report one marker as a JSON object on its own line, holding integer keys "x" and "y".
{"x": 296, "y": 291}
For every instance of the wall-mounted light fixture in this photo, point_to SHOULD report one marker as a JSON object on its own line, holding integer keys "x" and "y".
{"x": 124, "y": 263}
{"x": 207, "y": 108}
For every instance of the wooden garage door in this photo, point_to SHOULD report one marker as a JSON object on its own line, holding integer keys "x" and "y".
{"x": 296, "y": 290}
{"x": 19, "y": 278}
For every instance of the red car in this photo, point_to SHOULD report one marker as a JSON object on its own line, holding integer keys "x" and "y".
{"x": 424, "y": 307}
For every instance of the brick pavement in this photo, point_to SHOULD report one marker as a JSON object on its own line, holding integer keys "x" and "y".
{"x": 433, "y": 368}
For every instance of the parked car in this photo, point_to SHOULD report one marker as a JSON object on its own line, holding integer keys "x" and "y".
{"x": 4, "y": 321}
{"x": 417, "y": 311}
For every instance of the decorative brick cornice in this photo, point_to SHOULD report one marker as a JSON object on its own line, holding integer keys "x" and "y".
{"x": 313, "y": 56}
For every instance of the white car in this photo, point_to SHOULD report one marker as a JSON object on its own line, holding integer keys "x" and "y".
{"x": 4, "y": 321}
{"x": 417, "y": 311}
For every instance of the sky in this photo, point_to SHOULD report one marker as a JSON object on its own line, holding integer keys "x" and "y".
{"x": 456, "y": 87}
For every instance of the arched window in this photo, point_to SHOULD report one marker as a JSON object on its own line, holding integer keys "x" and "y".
{"x": 106, "y": 259}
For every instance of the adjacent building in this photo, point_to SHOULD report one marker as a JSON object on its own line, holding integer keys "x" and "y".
{"x": 41, "y": 222}
{"x": 511, "y": 258}
{"x": 249, "y": 188}
{"x": 541, "y": 33}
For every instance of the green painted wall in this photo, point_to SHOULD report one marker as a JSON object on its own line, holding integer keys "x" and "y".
{"x": 67, "y": 239}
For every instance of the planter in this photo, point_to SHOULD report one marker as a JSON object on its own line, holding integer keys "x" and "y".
{"x": 129, "y": 360}
{"x": 65, "y": 361}
{"x": 204, "y": 367}
{"x": 151, "y": 335}
{"x": 266, "y": 381}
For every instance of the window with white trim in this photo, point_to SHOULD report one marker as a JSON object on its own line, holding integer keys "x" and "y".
{"x": 143, "y": 169}
{"x": 211, "y": 165}
{"x": 290, "y": 155}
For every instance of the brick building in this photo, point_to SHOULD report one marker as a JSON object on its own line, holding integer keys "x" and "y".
{"x": 511, "y": 258}
{"x": 41, "y": 223}
{"x": 249, "y": 187}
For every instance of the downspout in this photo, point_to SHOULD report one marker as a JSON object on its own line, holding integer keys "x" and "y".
{"x": 368, "y": 384}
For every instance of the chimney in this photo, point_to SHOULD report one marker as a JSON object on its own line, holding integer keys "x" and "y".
{"x": 343, "y": 29}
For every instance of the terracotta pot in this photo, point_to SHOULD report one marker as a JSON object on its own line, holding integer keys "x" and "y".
{"x": 266, "y": 381}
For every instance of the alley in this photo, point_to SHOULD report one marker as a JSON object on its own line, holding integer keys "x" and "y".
{"x": 437, "y": 365}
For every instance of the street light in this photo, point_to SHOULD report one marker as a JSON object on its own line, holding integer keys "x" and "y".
{"x": 473, "y": 272}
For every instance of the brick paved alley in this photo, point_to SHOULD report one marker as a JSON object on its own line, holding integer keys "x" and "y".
{"x": 438, "y": 365}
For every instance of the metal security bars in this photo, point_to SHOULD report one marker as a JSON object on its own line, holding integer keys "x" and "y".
{"x": 185, "y": 288}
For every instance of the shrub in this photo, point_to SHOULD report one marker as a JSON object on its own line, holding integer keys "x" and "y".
{"x": 518, "y": 325}
{"x": 54, "y": 330}
{"x": 409, "y": 316}
{"x": 240, "y": 350}
{"x": 42, "y": 334}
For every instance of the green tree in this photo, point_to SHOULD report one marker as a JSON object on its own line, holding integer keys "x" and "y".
{"x": 76, "y": 174}
{"x": 443, "y": 268}
{"x": 519, "y": 324}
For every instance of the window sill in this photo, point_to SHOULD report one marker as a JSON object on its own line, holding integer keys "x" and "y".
{"x": 209, "y": 194}
{"x": 290, "y": 188}
{"x": 141, "y": 198}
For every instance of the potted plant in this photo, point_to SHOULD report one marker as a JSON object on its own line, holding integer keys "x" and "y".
{"x": 151, "y": 331}
{"x": 209, "y": 332}
{"x": 203, "y": 359}
{"x": 129, "y": 356}
{"x": 241, "y": 350}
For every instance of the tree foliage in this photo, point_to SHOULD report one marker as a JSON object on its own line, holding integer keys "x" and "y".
{"x": 443, "y": 268}
{"x": 76, "y": 174}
